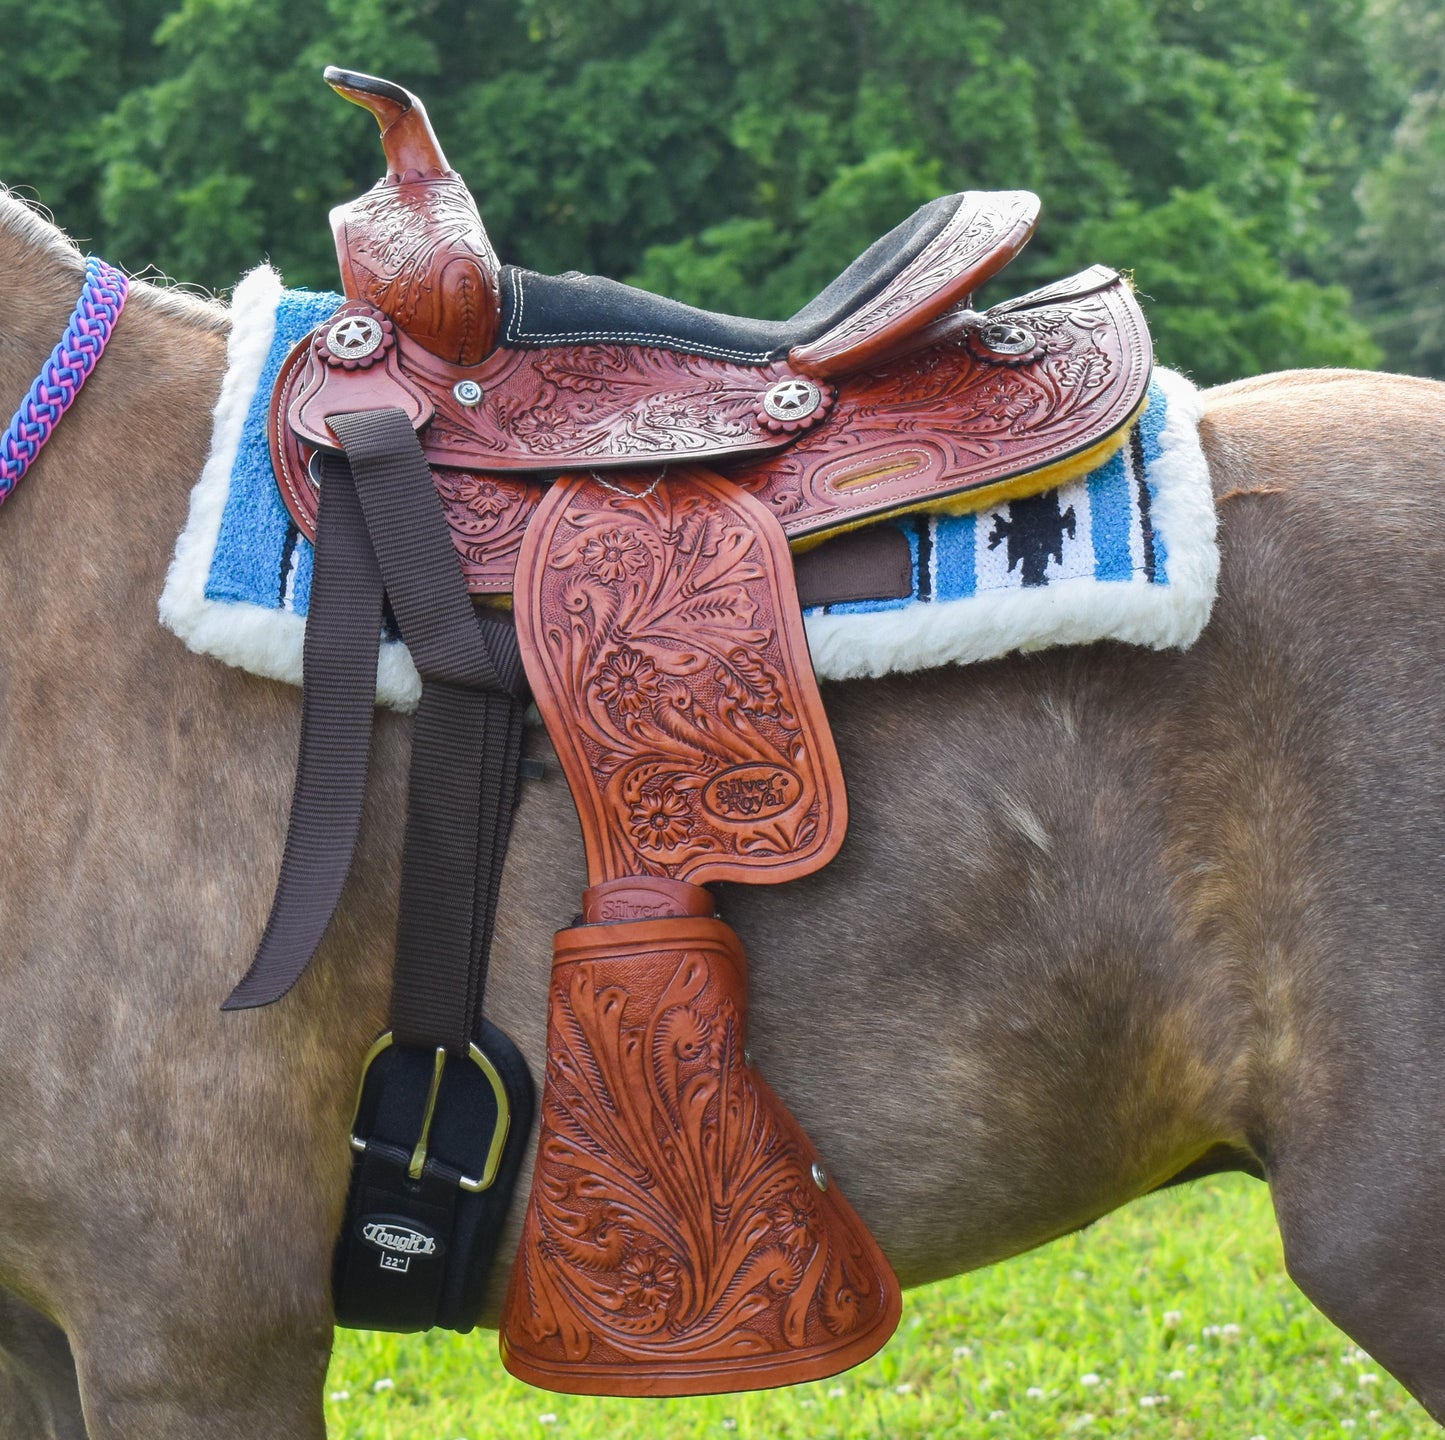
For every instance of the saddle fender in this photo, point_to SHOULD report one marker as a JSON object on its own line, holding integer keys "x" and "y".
{"x": 682, "y": 1236}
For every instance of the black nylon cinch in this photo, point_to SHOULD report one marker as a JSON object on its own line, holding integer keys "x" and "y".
{"x": 381, "y": 525}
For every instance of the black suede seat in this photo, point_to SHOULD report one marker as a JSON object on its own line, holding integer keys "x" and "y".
{"x": 577, "y": 309}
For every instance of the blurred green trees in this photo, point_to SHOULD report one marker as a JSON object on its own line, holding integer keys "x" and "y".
{"x": 1248, "y": 160}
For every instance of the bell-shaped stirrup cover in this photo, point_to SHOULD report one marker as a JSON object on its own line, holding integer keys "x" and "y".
{"x": 683, "y": 1235}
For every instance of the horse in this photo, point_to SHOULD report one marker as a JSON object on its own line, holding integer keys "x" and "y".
{"x": 1107, "y": 918}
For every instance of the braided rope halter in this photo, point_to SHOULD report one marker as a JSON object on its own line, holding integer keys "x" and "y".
{"x": 102, "y": 298}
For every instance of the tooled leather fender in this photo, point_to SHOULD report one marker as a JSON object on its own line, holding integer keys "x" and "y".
{"x": 987, "y": 398}
{"x": 682, "y": 1236}
{"x": 664, "y": 644}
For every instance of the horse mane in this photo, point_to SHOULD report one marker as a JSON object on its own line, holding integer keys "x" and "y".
{"x": 27, "y": 227}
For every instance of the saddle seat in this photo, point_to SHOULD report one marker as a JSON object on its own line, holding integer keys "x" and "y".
{"x": 965, "y": 238}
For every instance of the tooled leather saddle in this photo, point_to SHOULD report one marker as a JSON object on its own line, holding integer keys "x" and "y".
{"x": 633, "y": 472}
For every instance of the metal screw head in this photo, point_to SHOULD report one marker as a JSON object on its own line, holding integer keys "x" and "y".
{"x": 467, "y": 392}
{"x": 820, "y": 1175}
{"x": 354, "y": 337}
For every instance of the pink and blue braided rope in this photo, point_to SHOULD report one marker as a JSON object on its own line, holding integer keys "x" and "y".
{"x": 102, "y": 298}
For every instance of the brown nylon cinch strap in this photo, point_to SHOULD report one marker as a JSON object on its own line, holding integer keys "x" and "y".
{"x": 468, "y": 725}
{"x": 343, "y": 636}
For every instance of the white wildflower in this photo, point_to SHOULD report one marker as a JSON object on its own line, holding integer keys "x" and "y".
{"x": 1150, "y": 1401}
{"x": 962, "y": 1352}
{"x": 906, "y": 1388}
{"x": 1176, "y": 1375}
{"x": 1034, "y": 1392}
{"x": 837, "y": 1392}
{"x": 338, "y": 1396}
{"x": 729, "y": 1423}
{"x": 547, "y": 1417}
{"x": 997, "y": 1414}
{"x": 1089, "y": 1379}
{"x": 1230, "y": 1330}
{"x": 1368, "y": 1377}
{"x": 1173, "y": 1318}
{"x": 385, "y": 1383}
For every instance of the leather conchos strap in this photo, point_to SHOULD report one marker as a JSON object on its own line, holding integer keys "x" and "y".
{"x": 684, "y": 1237}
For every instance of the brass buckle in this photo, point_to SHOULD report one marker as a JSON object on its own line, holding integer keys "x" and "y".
{"x": 419, "y": 1155}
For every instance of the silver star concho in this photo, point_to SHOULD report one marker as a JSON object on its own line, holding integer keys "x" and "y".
{"x": 354, "y": 338}
{"x": 792, "y": 399}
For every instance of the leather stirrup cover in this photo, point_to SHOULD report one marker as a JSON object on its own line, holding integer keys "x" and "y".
{"x": 683, "y": 1237}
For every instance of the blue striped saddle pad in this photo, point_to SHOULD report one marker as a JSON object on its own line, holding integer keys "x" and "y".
{"x": 1125, "y": 553}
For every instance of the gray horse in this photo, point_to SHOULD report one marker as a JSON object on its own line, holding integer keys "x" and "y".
{"x": 1106, "y": 917}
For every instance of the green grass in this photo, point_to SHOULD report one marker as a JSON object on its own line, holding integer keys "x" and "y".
{"x": 1173, "y": 1318}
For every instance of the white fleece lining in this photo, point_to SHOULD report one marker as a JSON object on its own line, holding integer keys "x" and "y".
{"x": 266, "y": 642}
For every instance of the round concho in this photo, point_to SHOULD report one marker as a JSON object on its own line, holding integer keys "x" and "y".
{"x": 355, "y": 337}
{"x": 1006, "y": 341}
{"x": 794, "y": 404}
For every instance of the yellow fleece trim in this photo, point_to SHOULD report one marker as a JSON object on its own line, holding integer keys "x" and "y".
{"x": 1013, "y": 487}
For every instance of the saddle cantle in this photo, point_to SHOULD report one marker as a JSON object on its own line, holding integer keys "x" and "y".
{"x": 631, "y": 470}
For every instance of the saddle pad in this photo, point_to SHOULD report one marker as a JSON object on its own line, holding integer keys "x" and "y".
{"x": 1125, "y": 553}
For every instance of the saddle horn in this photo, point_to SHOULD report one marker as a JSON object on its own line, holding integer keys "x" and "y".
{"x": 407, "y": 138}
{"x": 414, "y": 246}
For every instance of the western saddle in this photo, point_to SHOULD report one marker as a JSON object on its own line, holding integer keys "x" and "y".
{"x": 632, "y": 472}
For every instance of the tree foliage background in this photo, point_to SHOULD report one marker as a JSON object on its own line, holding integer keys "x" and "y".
{"x": 1271, "y": 171}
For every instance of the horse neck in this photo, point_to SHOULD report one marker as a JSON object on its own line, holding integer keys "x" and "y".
{"x": 124, "y": 457}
